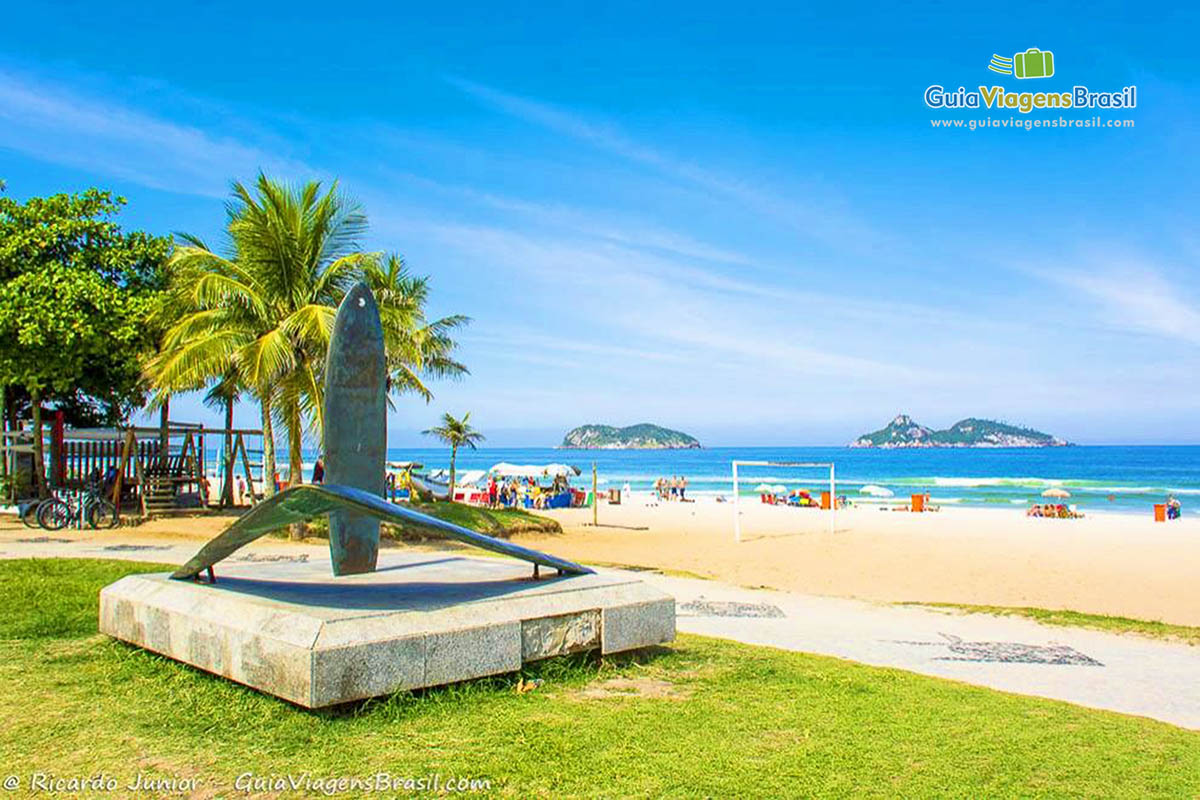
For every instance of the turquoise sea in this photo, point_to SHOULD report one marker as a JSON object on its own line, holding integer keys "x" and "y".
{"x": 1115, "y": 478}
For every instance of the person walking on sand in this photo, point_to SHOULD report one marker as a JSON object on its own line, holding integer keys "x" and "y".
{"x": 682, "y": 488}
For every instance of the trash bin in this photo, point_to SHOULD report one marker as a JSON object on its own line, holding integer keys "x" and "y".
{"x": 1160, "y": 512}
{"x": 826, "y": 501}
{"x": 918, "y": 502}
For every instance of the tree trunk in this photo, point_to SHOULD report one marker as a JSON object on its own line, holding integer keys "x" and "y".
{"x": 39, "y": 455}
{"x": 295, "y": 428}
{"x": 453, "y": 455}
{"x": 268, "y": 445}
{"x": 164, "y": 436}
{"x": 227, "y": 487}
{"x": 12, "y": 425}
{"x": 4, "y": 441}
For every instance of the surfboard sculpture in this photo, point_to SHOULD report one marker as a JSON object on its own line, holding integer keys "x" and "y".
{"x": 355, "y": 426}
{"x": 355, "y": 450}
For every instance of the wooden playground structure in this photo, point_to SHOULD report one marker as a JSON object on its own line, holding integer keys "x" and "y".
{"x": 150, "y": 471}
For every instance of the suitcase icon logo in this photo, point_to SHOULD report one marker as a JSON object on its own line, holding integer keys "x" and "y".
{"x": 1033, "y": 63}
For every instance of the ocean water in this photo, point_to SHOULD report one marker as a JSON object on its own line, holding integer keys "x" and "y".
{"x": 1116, "y": 478}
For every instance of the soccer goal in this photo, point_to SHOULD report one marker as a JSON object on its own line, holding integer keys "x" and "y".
{"x": 737, "y": 514}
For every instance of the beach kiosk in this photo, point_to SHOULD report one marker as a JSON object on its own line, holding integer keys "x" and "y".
{"x": 528, "y": 482}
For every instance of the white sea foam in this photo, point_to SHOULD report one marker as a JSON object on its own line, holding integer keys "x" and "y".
{"x": 968, "y": 483}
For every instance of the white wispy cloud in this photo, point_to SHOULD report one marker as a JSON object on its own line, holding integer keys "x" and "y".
{"x": 50, "y": 122}
{"x": 1136, "y": 297}
{"x": 816, "y": 219}
{"x": 599, "y": 223}
{"x": 712, "y": 320}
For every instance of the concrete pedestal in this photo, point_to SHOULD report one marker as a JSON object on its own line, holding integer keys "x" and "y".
{"x": 422, "y": 619}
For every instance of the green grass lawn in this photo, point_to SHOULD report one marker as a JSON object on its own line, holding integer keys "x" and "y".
{"x": 1078, "y": 619}
{"x": 704, "y": 717}
{"x": 503, "y": 522}
{"x": 499, "y": 522}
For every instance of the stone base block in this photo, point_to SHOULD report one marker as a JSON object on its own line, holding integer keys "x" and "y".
{"x": 294, "y": 631}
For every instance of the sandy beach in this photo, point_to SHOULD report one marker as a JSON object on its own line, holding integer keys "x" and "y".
{"x": 1113, "y": 564}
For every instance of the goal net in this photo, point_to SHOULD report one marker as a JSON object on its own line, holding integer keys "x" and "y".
{"x": 757, "y": 478}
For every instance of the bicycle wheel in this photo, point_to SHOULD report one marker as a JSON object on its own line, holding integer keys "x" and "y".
{"x": 102, "y": 514}
{"x": 54, "y": 514}
{"x": 29, "y": 513}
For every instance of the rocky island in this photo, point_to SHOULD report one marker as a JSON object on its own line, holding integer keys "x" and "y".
{"x": 971, "y": 432}
{"x": 634, "y": 437}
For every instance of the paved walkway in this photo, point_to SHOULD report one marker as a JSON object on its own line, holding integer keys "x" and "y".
{"x": 1129, "y": 674}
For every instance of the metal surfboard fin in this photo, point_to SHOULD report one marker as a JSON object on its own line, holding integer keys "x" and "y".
{"x": 304, "y": 502}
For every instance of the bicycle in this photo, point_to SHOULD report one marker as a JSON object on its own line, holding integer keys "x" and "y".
{"x": 89, "y": 506}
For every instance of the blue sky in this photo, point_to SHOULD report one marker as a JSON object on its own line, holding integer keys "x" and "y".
{"x": 737, "y": 221}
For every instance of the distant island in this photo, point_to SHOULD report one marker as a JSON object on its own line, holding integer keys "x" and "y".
{"x": 970, "y": 432}
{"x": 634, "y": 437}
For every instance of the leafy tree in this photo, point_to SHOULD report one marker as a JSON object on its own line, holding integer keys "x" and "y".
{"x": 76, "y": 297}
{"x": 456, "y": 433}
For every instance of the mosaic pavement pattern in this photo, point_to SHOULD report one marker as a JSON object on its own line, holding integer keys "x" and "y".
{"x": 1008, "y": 652}
{"x": 714, "y": 608}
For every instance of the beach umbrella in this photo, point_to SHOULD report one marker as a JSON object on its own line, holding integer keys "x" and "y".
{"x": 876, "y": 491}
{"x": 764, "y": 487}
{"x": 516, "y": 470}
{"x": 1060, "y": 493}
{"x": 561, "y": 469}
{"x": 779, "y": 488}
{"x": 469, "y": 477}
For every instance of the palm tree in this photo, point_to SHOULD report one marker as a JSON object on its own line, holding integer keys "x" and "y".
{"x": 456, "y": 433}
{"x": 416, "y": 348}
{"x": 223, "y": 395}
{"x": 203, "y": 343}
{"x": 299, "y": 252}
{"x": 264, "y": 312}
{"x": 267, "y": 309}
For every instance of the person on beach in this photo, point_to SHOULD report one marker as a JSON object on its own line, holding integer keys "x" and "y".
{"x": 241, "y": 490}
{"x": 319, "y": 471}
{"x": 492, "y": 492}
{"x": 682, "y": 488}
{"x": 1174, "y": 507}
